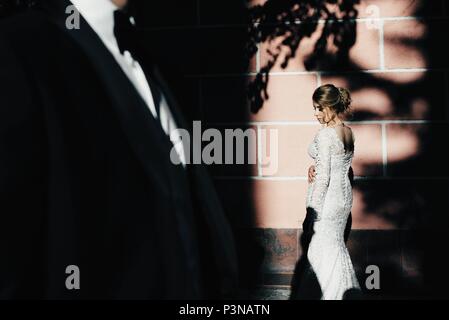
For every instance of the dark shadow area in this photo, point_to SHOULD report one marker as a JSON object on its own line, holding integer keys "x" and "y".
{"x": 305, "y": 284}
{"x": 10, "y": 7}
{"x": 195, "y": 43}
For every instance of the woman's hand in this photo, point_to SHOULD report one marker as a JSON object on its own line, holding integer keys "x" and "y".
{"x": 312, "y": 173}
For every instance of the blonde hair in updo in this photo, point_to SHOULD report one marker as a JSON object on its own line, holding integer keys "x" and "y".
{"x": 337, "y": 99}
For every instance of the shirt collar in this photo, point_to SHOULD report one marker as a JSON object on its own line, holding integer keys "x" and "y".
{"x": 99, "y": 14}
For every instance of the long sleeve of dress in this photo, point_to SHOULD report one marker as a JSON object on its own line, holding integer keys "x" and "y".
{"x": 323, "y": 170}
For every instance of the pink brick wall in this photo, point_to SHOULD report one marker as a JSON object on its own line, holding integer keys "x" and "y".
{"x": 393, "y": 55}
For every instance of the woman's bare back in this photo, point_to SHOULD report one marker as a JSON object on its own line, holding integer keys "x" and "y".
{"x": 346, "y": 136}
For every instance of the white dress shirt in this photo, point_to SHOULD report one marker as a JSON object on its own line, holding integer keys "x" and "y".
{"x": 99, "y": 14}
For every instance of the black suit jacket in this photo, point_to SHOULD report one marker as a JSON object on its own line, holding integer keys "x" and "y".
{"x": 86, "y": 177}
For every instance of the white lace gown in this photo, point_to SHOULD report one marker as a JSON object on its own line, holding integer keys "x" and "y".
{"x": 330, "y": 196}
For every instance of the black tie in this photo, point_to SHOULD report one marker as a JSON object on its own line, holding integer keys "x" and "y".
{"x": 127, "y": 39}
{"x": 126, "y": 34}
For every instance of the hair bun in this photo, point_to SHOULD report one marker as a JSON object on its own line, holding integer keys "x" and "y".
{"x": 345, "y": 99}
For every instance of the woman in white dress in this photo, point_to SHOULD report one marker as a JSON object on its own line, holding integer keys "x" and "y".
{"x": 329, "y": 197}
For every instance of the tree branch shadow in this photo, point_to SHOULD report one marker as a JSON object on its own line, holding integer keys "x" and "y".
{"x": 293, "y": 21}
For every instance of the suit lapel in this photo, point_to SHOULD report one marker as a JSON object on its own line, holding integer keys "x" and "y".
{"x": 144, "y": 132}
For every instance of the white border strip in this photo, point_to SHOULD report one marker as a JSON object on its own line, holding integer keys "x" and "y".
{"x": 381, "y": 46}
{"x": 302, "y": 73}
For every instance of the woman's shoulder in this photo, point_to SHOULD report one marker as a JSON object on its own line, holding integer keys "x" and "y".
{"x": 324, "y": 133}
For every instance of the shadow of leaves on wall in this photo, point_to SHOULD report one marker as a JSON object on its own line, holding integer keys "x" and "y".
{"x": 292, "y": 21}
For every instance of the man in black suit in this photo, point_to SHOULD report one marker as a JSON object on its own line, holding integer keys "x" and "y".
{"x": 86, "y": 177}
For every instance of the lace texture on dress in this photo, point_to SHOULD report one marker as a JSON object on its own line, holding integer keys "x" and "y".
{"x": 329, "y": 196}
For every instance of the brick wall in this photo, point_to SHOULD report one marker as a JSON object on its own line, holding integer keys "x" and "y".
{"x": 398, "y": 75}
